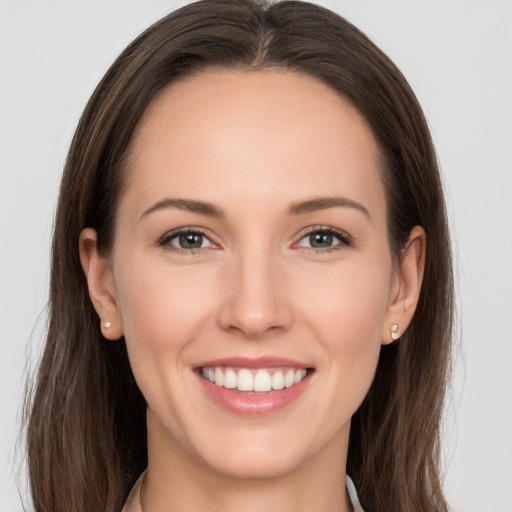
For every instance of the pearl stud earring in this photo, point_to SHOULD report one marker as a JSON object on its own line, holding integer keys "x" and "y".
{"x": 395, "y": 333}
{"x": 107, "y": 325}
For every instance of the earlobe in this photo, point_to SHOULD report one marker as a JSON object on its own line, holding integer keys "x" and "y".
{"x": 100, "y": 282}
{"x": 410, "y": 277}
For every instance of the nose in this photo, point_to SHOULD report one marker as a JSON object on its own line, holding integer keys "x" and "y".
{"x": 256, "y": 302}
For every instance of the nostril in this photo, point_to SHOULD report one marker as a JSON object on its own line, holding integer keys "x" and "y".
{"x": 254, "y": 305}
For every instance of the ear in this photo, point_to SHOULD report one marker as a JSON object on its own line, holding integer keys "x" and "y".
{"x": 406, "y": 287}
{"x": 100, "y": 282}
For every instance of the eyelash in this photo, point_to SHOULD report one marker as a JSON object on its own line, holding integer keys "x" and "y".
{"x": 344, "y": 239}
{"x": 165, "y": 241}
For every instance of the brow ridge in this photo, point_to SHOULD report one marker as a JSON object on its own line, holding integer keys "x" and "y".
{"x": 323, "y": 203}
{"x": 297, "y": 208}
{"x": 191, "y": 205}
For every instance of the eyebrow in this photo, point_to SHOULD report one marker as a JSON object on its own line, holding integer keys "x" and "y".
{"x": 190, "y": 205}
{"x": 298, "y": 208}
{"x": 323, "y": 203}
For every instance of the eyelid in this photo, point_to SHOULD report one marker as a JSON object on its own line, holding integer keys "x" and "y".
{"x": 164, "y": 240}
{"x": 345, "y": 239}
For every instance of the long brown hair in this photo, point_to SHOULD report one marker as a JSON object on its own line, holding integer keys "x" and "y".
{"x": 86, "y": 430}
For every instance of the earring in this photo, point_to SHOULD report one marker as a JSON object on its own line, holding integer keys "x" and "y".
{"x": 107, "y": 325}
{"x": 395, "y": 333}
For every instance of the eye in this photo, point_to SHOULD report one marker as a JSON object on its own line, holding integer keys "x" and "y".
{"x": 324, "y": 239}
{"x": 186, "y": 241}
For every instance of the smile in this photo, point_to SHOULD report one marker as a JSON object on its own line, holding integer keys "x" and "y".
{"x": 260, "y": 380}
{"x": 254, "y": 387}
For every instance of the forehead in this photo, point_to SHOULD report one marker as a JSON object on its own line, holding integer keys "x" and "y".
{"x": 255, "y": 135}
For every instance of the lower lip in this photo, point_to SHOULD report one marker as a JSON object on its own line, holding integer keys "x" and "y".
{"x": 254, "y": 404}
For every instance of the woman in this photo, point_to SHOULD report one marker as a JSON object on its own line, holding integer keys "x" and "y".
{"x": 251, "y": 290}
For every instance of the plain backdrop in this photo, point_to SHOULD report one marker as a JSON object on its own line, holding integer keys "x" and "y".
{"x": 457, "y": 57}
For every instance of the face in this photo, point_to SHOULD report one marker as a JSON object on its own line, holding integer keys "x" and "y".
{"x": 251, "y": 269}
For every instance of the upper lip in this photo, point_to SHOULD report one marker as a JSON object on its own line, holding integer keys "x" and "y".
{"x": 258, "y": 362}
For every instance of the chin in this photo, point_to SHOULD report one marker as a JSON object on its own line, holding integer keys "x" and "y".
{"x": 262, "y": 466}
{"x": 256, "y": 455}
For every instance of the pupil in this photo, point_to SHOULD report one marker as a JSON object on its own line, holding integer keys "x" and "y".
{"x": 320, "y": 240}
{"x": 191, "y": 241}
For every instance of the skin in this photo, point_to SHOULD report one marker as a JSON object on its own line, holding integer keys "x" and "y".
{"x": 253, "y": 144}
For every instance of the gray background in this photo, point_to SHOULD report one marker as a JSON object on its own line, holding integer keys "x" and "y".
{"x": 456, "y": 55}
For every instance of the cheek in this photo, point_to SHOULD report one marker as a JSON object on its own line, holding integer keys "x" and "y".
{"x": 162, "y": 307}
{"x": 346, "y": 310}
{"x": 348, "y": 301}
{"x": 162, "y": 311}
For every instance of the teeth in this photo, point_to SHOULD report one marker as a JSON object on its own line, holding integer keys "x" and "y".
{"x": 219, "y": 377}
{"x": 230, "y": 380}
{"x": 289, "y": 378}
{"x": 261, "y": 380}
{"x": 299, "y": 375}
{"x": 245, "y": 380}
{"x": 278, "y": 380}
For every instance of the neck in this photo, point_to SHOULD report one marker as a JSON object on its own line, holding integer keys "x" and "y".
{"x": 175, "y": 480}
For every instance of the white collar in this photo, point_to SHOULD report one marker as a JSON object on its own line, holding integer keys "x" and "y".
{"x": 133, "y": 502}
{"x": 351, "y": 489}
